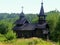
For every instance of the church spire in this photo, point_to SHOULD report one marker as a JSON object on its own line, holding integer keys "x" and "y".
{"x": 42, "y": 9}
{"x": 41, "y": 14}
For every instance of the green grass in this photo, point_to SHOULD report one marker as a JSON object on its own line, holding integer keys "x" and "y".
{"x": 29, "y": 41}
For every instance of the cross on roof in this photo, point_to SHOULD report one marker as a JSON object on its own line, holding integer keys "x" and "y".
{"x": 42, "y": 1}
{"x": 22, "y": 8}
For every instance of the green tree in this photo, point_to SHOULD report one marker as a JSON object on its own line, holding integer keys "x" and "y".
{"x": 57, "y": 31}
{"x": 3, "y": 29}
{"x": 52, "y": 19}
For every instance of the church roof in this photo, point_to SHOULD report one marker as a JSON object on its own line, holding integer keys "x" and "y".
{"x": 26, "y": 27}
{"x": 41, "y": 26}
{"x": 21, "y": 21}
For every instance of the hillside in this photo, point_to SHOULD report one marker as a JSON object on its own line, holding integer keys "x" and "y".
{"x": 29, "y": 41}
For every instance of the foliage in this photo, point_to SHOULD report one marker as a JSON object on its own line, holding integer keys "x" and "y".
{"x": 57, "y": 30}
{"x": 2, "y": 38}
{"x": 53, "y": 19}
{"x": 3, "y": 29}
{"x": 6, "y": 30}
{"x": 10, "y": 35}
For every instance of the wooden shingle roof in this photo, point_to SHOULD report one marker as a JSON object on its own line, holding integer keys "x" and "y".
{"x": 41, "y": 26}
{"x": 21, "y": 21}
{"x": 25, "y": 27}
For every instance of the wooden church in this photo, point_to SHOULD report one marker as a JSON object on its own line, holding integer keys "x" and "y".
{"x": 25, "y": 29}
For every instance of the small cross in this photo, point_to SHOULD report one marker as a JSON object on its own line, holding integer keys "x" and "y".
{"x": 22, "y": 8}
{"x": 42, "y": 1}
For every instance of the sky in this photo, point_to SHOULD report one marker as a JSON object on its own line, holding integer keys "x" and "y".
{"x": 30, "y": 6}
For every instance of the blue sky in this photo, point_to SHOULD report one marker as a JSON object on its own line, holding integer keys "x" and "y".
{"x": 30, "y": 6}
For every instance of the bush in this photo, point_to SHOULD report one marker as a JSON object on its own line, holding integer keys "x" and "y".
{"x": 10, "y": 35}
{"x": 3, "y": 28}
{"x": 2, "y": 38}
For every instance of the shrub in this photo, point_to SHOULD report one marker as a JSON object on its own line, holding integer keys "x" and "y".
{"x": 2, "y": 38}
{"x": 3, "y": 28}
{"x": 10, "y": 35}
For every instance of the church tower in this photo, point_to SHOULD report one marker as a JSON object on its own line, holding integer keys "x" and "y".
{"x": 41, "y": 16}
